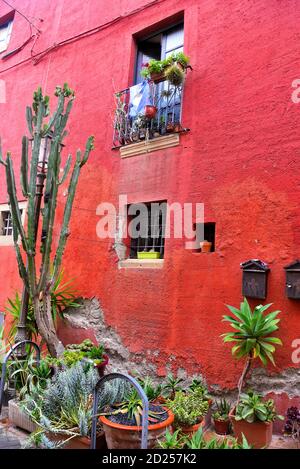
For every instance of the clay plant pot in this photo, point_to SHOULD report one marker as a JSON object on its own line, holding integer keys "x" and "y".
{"x": 120, "y": 436}
{"x": 258, "y": 434}
{"x": 205, "y": 246}
{"x": 222, "y": 427}
{"x": 189, "y": 431}
{"x": 157, "y": 77}
{"x": 150, "y": 111}
{"x": 170, "y": 127}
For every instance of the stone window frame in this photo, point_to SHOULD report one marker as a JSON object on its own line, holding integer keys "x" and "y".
{"x": 7, "y": 240}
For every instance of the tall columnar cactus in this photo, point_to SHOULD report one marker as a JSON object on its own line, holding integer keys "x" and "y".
{"x": 36, "y": 275}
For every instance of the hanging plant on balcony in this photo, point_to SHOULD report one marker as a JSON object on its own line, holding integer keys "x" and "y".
{"x": 156, "y": 70}
{"x": 174, "y": 75}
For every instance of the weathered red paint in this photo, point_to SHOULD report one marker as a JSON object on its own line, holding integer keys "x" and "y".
{"x": 240, "y": 158}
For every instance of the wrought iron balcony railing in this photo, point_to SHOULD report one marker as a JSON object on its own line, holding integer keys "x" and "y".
{"x": 157, "y": 114}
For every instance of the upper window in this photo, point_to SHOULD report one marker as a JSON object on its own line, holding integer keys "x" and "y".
{"x": 5, "y": 33}
{"x": 158, "y": 47}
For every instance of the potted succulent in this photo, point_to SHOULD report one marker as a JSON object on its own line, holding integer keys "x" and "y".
{"x": 63, "y": 411}
{"x": 170, "y": 386}
{"x": 199, "y": 386}
{"x": 189, "y": 410}
{"x": 86, "y": 351}
{"x": 221, "y": 417}
{"x": 252, "y": 339}
{"x": 122, "y": 422}
{"x": 254, "y": 417}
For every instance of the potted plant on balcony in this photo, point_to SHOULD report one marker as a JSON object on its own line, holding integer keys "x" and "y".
{"x": 171, "y": 68}
{"x": 221, "y": 417}
{"x": 252, "y": 339}
{"x": 254, "y": 417}
{"x": 122, "y": 422}
{"x": 189, "y": 410}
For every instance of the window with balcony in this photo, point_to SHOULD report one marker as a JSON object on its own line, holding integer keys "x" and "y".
{"x": 151, "y": 108}
{"x": 5, "y": 33}
{"x": 147, "y": 222}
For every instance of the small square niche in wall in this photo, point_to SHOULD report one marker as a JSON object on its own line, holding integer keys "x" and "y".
{"x": 207, "y": 233}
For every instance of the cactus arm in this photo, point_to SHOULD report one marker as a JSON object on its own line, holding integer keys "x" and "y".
{"x": 24, "y": 167}
{"x": 49, "y": 216}
{"x": 64, "y": 233}
{"x": 1, "y": 155}
{"x": 29, "y": 119}
{"x": 14, "y": 206}
{"x": 53, "y": 119}
{"x": 65, "y": 116}
{"x": 89, "y": 146}
{"x": 66, "y": 170}
{"x": 33, "y": 174}
{"x": 21, "y": 266}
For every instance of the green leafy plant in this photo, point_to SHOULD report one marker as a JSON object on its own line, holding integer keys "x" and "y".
{"x": 132, "y": 406}
{"x": 197, "y": 441}
{"x": 64, "y": 408}
{"x": 188, "y": 408}
{"x": 221, "y": 411}
{"x": 32, "y": 375}
{"x": 152, "y": 391}
{"x": 174, "y": 75}
{"x": 170, "y": 386}
{"x": 63, "y": 296}
{"x": 160, "y": 66}
{"x": 253, "y": 408}
{"x": 84, "y": 350}
{"x": 252, "y": 335}
{"x": 171, "y": 440}
{"x": 199, "y": 386}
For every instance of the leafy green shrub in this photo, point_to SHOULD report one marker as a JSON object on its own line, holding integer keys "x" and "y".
{"x": 171, "y": 385}
{"x": 221, "y": 410}
{"x": 253, "y": 408}
{"x": 188, "y": 409}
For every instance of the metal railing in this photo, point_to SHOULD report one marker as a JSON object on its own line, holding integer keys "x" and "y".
{"x": 167, "y": 99}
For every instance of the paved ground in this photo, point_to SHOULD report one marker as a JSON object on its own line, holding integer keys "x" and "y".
{"x": 12, "y": 437}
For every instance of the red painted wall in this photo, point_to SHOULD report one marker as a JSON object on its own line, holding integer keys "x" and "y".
{"x": 240, "y": 158}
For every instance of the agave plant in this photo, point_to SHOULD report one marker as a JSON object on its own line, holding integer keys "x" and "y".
{"x": 132, "y": 406}
{"x": 171, "y": 440}
{"x": 252, "y": 335}
{"x": 171, "y": 386}
{"x": 63, "y": 296}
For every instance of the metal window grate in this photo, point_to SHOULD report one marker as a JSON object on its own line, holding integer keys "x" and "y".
{"x": 6, "y": 223}
{"x": 151, "y": 226}
{"x": 7, "y": 227}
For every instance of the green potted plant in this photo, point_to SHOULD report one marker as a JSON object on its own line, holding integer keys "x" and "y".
{"x": 122, "y": 422}
{"x": 63, "y": 411}
{"x": 221, "y": 417}
{"x": 86, "y": 351}
{"x": 171, "y": 68}
{"x": 189, "y": 410}
{"x": 252, "y": 339}
{"x": 254, "y": 417}
{"x": 170, "y": 386}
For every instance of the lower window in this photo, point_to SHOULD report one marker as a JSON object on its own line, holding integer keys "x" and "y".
{"x": 147, "y": 222}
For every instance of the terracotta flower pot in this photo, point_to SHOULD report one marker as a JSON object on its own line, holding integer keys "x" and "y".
{"x": 150, "y": 111}
{"x": 192, "y": 429}
{"x": 157, "y": 77}
{"x": 120, "y": 436}
{"x": 258, "y": 434}
{"x": 222, "y": 427}
{"x": 205, "y": 246}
